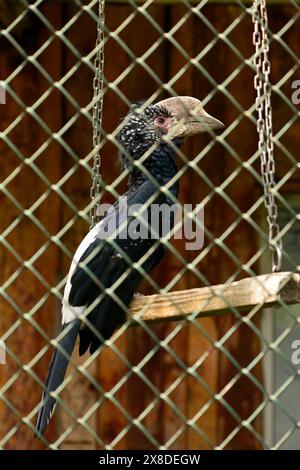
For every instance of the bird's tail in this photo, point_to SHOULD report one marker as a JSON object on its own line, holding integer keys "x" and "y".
{"x": 56, "y": 374}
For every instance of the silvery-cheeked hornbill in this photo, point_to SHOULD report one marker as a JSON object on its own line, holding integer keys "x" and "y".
{"x": 99, "y": 264}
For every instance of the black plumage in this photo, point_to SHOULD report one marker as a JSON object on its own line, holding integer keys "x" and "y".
{"x": 104, "y": 258}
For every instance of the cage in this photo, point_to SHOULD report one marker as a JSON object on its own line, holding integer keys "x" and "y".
{"x": 209, "y": 356}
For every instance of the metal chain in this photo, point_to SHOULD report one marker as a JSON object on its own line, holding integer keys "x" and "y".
{"x": 98, "y": 85}
{"x": 264, "y": 125}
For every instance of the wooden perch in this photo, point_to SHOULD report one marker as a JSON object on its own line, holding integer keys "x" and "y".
{"x": 266, "y": 290}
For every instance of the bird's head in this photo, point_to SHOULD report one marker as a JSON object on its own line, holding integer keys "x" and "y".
{"x": 176, "y": 118}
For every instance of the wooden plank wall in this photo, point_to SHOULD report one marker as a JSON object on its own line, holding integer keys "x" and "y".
{"x": 214, "y": 367}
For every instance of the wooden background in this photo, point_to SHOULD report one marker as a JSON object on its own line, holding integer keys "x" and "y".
{"x": 25, "y": 290}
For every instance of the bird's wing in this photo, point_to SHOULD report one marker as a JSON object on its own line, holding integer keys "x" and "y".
{"x": 102, "y": 262}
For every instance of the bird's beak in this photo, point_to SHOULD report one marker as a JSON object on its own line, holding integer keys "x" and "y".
{"x": 201, "y": 122}
{"x": 189, "y": 117}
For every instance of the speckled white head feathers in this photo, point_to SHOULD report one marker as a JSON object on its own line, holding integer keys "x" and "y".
{"x": 176, "y": 117}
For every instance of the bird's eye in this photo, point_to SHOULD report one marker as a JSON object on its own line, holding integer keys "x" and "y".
{"x": 161, "y": 121}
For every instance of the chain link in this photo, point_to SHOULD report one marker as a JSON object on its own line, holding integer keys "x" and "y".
{"x": 264, "y": 125}
{"x": 98, "y": 85}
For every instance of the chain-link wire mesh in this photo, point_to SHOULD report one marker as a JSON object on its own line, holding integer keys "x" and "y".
{"x": 217, "y": 382}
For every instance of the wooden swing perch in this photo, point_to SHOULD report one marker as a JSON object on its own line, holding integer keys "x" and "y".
{"x": 267, "y": 290}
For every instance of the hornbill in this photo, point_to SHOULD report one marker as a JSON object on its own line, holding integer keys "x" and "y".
{"x": 103, "y": 277}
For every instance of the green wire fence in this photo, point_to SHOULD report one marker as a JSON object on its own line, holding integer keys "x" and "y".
{"x": 226, "y": 380}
